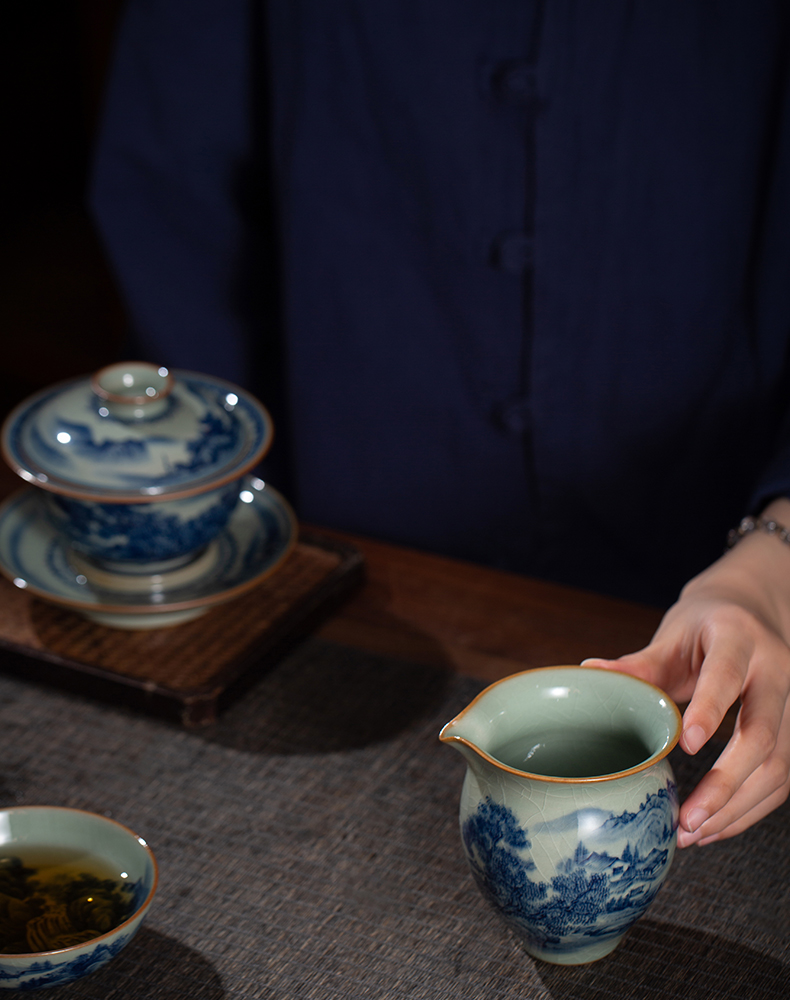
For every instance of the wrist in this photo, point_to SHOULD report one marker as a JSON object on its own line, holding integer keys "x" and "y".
{"x": 755, "y": 572}
{"x": 767, "y": 522}
{"x": 778, "y": 510}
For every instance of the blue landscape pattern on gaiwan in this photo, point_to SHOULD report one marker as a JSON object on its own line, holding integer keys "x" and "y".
{"x": 220, "y": 436}
{"x": 141, "y": 532}
{"x": 71, "y": 436}
{"x": 596, "y": 894}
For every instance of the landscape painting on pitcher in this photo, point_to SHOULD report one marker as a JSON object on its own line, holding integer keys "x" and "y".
{"x": 597, "y": 892}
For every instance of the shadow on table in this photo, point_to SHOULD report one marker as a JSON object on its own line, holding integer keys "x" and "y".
{"x": 327, "y": 698}
{"x": 151, "y": 967}
{"x": 660, "y": 960}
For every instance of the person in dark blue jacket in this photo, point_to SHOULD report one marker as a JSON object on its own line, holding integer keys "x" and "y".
{"x": 520, "y": 294}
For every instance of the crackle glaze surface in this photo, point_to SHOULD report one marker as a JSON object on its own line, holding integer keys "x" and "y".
{"x": 570, "y": 863}
{"x": 570, "y": 877}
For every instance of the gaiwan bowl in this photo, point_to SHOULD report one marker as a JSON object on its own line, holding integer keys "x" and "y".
{"x": 139, "y": 467}
{"x": 153, "y": 536}
{"x": 569, "y": 808}
{"x": 74, "y": 888}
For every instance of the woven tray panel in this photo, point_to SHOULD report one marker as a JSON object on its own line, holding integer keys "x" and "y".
{"x": 187, "y": 669}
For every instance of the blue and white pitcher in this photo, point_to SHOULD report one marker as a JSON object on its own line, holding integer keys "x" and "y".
{"x": 569, "y": 809}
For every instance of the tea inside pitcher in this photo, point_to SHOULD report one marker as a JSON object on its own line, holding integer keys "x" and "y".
{"x": 563, "y": 752}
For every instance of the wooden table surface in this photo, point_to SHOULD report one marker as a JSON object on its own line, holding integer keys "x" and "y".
{"x": 481, "y": 622}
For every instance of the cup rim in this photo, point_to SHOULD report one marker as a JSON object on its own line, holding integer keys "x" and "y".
{"x": 650, "y": 761}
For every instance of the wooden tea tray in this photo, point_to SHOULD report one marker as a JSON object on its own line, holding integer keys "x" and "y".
{"x": 187, "y": 672}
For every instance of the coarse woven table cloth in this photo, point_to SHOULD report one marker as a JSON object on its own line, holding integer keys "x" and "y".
{"x": 308, "y": 847}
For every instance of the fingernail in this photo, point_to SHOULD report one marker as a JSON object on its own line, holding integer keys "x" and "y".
{"x": 686, "y": 839}
{"x": 693, "y": 739}
{"x": 596, "y": 660}
{"x": 695, "y": 819}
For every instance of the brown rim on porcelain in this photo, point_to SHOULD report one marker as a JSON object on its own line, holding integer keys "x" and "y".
{"x": 114, "y": 397}
{"x": 649, "y": 762}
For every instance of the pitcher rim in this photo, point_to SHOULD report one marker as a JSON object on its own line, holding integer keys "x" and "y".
{"x": 644, "y": 765}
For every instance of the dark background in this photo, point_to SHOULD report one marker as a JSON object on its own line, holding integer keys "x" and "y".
{"x": 60, "y": 314}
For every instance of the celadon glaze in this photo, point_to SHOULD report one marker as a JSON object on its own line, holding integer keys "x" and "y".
{"x": 569, "y": 863}
{"x": 26, "y": 828}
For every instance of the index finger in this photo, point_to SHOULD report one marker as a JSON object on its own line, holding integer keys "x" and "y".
{"x": 763, "y": 698}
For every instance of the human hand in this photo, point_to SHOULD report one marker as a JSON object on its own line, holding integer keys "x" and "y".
{"x": 727, "y": 638}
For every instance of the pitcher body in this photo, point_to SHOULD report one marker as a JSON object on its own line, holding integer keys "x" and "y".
{"x": 569, "y": 808}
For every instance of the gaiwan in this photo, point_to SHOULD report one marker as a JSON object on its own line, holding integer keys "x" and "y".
{"x": 136, "y": 466}
{"x": 569, "y": 808}
{"x": 140, "y": 482}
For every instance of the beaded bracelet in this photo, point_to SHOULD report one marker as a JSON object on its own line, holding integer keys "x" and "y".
{"x": 750, "y": 524}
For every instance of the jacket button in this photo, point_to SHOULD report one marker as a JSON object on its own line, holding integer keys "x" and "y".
{"x": 513, "y": 415}
{"x": 513, "y": 252}
{"x": 514, "y": 82}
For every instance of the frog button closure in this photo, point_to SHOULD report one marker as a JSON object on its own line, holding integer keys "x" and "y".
{"x": 513, "y": 82}
{"x": 513, "y": 251}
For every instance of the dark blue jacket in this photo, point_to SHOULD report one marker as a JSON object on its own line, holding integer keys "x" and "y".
{"x": 533, "y": 260}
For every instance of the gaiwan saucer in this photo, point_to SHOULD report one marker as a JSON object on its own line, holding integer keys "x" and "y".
{"x": 259, "y": 535}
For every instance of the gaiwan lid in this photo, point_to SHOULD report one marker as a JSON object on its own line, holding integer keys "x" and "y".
{"x": 134, "y": 432}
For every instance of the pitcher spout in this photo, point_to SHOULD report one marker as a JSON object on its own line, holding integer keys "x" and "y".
{"x": 468, "y": 736}
{"x": 479, "y": 730}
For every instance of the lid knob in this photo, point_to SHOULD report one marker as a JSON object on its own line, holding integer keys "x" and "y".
{"x": 132, "y": 390}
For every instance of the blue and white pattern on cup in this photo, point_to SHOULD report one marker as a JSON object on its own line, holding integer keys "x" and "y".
{"x": 597, "y": 893}
{"x": 48, "y": 973}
